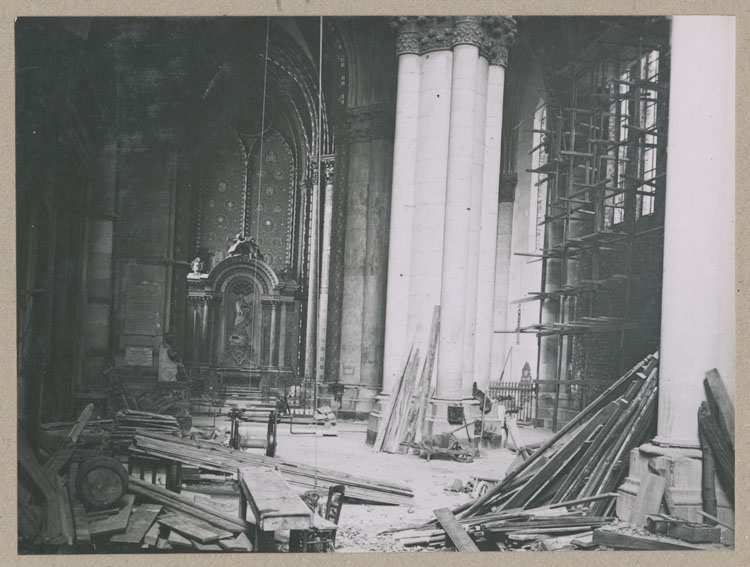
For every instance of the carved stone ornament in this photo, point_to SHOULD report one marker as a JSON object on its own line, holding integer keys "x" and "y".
{"x": 492, "y": 34}
{"x": 409, "y": 35}
{"x": 328, "y": 169}
{"x": 467, "y": 31}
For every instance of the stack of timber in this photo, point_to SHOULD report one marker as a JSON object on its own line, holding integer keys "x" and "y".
{"x": 403, "y": 417}
{"x": 211, "y": 457}
{"x": 716, "y": 427}
{"x": 511, "y": 529}
{"x": 578, "y": 469}
{"x": 129, "y": 422}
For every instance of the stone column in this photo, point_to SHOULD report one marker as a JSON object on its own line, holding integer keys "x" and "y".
{"x": 472, "y": 252}
{"x": 429, "y": 192}
{"x": 458, "y": 210}
{"x": 502, "y": 341}
{"x": 489, "y": 227}
{"x": 697, "y": 329}
{"x": 376, "y": 256}
{"x": 325, "y": 266}
{"x": 402, "y": 201}
{"x": 355, "y": 247}
{"x": 97, "y": 310}
{"x": 312, "y": 275}
{"x": 273, "y": 341}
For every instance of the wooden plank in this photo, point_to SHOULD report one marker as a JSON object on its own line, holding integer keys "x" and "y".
{"x": 162, "y": 543}
{"x": 648, "y": 499}
{"x": 175, "y": 501}
{"x": 141, "y": 520}
{"x": 231, "y": 545}
{"x": 455, "y": 531}
{"x": 177, "y": 540}
{"x": 423, "y": 393}
{"x": 152, "y": 535}
{"x": 80, "y": 424}
{"x": 67, "y": 523}
{"x": 388, "y": 413}
{"x": 620, "y": 540}
{"x": 694, "y": 533}
{"x": 80, "y": 521}
{"x": 711, "y": 433}
{"x": 717, "y": 392}
{"x": 114, "y": 524}
{"x": 57, "y": 461}
{"x": 561, "y": 457}
{"x": 243, "y": 540}
{"x": 185, "y": 526}
{"x": 273, "y": 502}
{"x": 206, "y": 546}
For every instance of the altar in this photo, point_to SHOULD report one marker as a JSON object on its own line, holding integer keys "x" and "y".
{"x": 243, "y": 321}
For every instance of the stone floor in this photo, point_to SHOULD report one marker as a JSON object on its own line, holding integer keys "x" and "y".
{"x": 348, "y": 453}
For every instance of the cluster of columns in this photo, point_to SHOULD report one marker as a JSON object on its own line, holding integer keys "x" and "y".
{"x": 446, "y": 172}
{"x": 697, "y": 330}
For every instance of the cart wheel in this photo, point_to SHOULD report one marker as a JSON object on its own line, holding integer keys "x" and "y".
{"x": 271, "y": 435}
{"x": 101, "y": 482}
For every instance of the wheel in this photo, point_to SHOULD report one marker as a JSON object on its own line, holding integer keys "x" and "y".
{"x": 101, "y": 482}
{"x": 271, "y": 435}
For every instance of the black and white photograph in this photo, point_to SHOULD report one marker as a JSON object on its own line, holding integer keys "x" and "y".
{"x": 348, "y": 284}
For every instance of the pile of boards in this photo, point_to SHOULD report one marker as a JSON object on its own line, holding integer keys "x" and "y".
{"x": 577, "y": 471}
{"x": 403, "y": 416}
{"x": 209, "y": 456}
{"x": 548, "y": 528}
{"x": 129, "y": 422}
{"x": 162, "y": 520}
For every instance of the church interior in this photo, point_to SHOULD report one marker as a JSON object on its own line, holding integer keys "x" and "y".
{"x": 415, "y": 251}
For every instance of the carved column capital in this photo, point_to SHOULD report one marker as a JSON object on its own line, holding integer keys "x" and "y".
{"x": 328, "y": 169}
{"x": 467, "y": 31}
{"x": 499, "y": 35}
{"x": 436, "y": 33}
{"x": 424, "y": 34}
{"x": 408, "y": 35}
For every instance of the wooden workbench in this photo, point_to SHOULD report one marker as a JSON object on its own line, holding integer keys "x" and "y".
{"x": 273, "y": 503}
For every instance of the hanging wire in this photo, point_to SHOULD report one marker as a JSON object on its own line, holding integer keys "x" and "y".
{"x": 260, "y": 166}
{"x": 316, "y": 228}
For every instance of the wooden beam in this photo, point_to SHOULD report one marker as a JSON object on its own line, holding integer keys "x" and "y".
{"x": 455, "y": 531}
{"x": 718, "y": 393}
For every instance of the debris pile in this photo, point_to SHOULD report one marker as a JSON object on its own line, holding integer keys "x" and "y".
{"x": 575, "y": 472}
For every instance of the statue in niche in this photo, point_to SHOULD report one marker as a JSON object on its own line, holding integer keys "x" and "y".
{"x": 242, "y": 247}
{"x": 239, "y": 345}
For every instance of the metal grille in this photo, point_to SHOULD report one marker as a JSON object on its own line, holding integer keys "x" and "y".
{"x": 517, "y": 397}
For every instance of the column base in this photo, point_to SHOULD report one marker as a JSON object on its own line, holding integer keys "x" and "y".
{"x": 683, "y": 469}
{"x": 436, "y": 416}
{"x": 436, "y": 419}
{"x": 356, "y": 402}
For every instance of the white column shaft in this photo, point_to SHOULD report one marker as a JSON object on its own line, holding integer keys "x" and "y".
{"x": 457, "y": 221}
{"x": 402, "y": 207}
{"x": 473, "y": 249}
{"x": 325, "y": 265}
{"x": 489, "y": 227}
{"x": 697, "y": 331}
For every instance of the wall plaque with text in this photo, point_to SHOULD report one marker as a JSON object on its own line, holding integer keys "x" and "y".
{"x": 138, "y": 356}
{"x": 141, "y": 310}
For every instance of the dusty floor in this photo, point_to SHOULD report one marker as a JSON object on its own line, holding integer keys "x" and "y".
{"x": 360, "y": 524}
